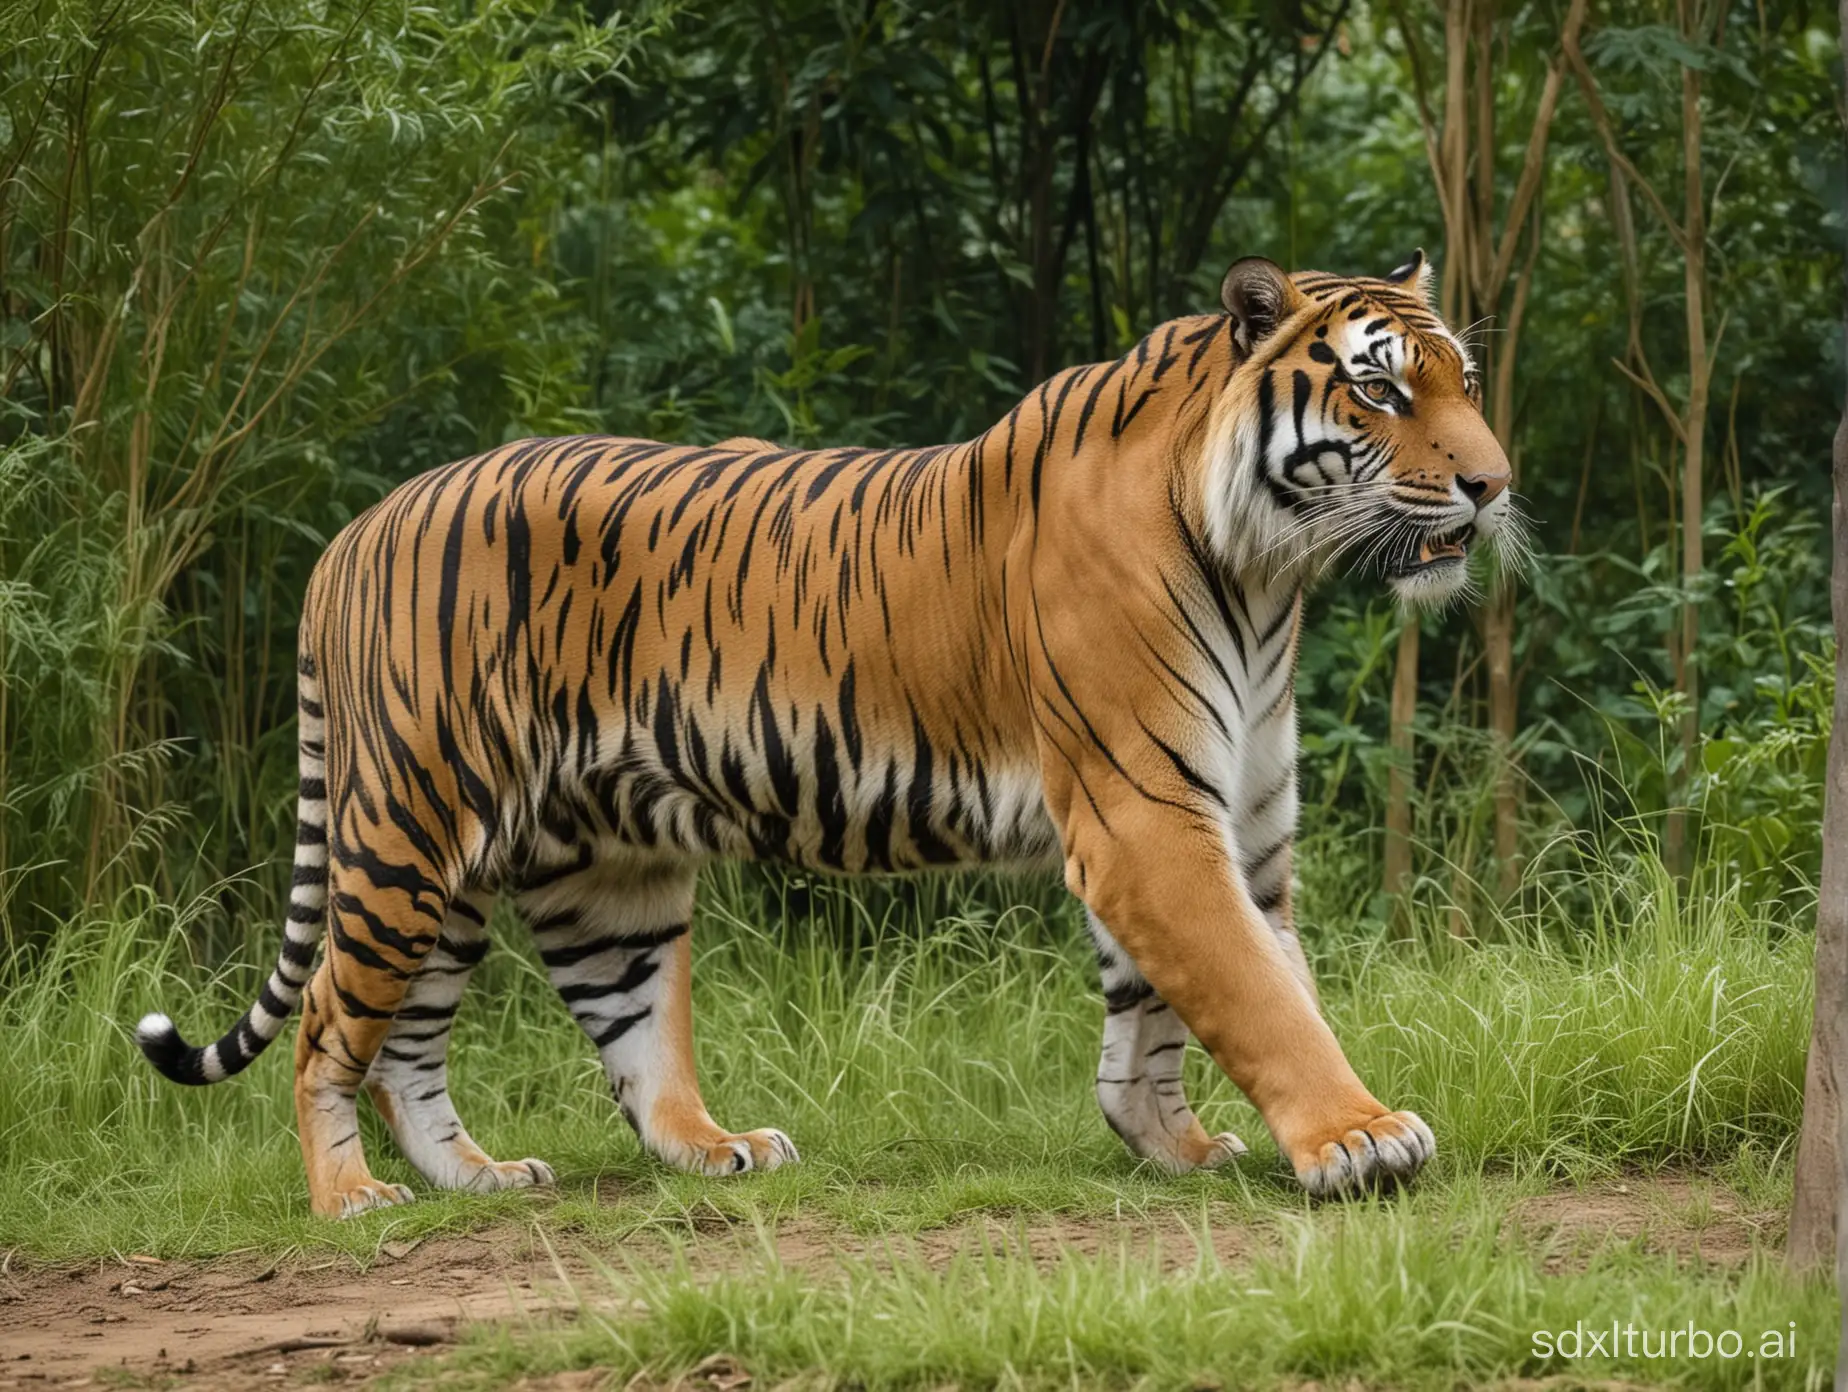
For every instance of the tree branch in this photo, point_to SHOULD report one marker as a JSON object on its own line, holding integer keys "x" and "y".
{"x": 1426, "y": 120}
{"x": 1601, "y": 119}
{"x": 1533, "y": 167}
{"x": 1647, "y": 382}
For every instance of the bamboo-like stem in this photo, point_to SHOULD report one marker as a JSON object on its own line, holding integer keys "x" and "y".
{"x": 1688, "y": 423}
{"x": 1478, "y": 265}
{"x": 1693, "y": 439}
{"x": 1398, "y": 850}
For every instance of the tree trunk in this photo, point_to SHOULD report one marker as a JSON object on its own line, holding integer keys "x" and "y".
{"x": 1498, "y": 608}
{"x": 1679, "y": 850}
{"x": 1498, "y": 646}
{"x": 1687, "y": 423}
{"x": 1450, "y": 167}
{"x": 1821, "y": 1179}
{"x": 1478, "y": 264}
{"x": 1813, "y": 1216}
{"x": 1399, "y": 778}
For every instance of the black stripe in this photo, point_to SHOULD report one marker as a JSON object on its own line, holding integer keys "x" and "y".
{"x": 1117, "y": 999}
{"x": 427, "y": 1012}
{"x": 468, "y": 911}
{"x": 636, "y": 975}
{"x": 466, "y": 952}
{"x": 363, "y": 953}
{"x": 573, "y": 953}
{"x": 620, "y": 1026}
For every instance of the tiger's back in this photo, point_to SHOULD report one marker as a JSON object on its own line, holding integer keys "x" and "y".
{"x": 768, "y": 653}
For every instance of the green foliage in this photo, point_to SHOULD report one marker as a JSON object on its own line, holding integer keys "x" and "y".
{"x": 1772, "y": 680}
{"x": 259, "y": 267}
{"x": 235, "y": 243}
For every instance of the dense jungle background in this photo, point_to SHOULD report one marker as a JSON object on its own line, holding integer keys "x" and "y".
{"x": 260, "y": 262}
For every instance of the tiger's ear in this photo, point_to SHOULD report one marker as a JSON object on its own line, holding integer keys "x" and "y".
{"x": 1259, "y": 297}
{"x": 1417, "y": 272}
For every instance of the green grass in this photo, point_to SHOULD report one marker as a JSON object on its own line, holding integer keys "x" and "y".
{"x": 933, "y": 1059}
{"x": 937, "y": 1063}
{"x": 1425, "y": 1292}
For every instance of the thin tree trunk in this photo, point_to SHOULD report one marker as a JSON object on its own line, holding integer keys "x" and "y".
{"x": 1498, "y": 610}
{"x": 1821, "y": 1185}
{"x": 1679, "y": 851}
{"x": 1687, "y": 423}
{"x": 1820, "y": 1153}
{"x": 1455, "y": 171}
{"x": 1399, "y": 777}
{"x": 1478, "y": 264}
{"x": 1452, "y": 173}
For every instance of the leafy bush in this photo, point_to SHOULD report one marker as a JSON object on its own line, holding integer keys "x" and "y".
{"x": 244, "y": 250}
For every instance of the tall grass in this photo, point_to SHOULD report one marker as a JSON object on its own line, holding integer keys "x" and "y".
{"x": 937, "y": 1050}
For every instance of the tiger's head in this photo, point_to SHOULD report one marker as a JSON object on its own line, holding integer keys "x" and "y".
{"x": 1352, "y": 430}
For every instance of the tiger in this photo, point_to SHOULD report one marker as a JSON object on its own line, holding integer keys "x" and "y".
{"x": 575, "y": 670}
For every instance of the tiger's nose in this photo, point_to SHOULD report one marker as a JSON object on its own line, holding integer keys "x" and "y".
{"x": 1481, "y": 488}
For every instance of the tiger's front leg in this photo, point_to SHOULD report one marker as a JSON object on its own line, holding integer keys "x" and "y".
{"x": 614, "y": 938}
{"x": 1161, "y": 878}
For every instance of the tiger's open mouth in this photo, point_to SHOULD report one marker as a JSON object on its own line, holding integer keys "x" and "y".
{"x": 1434, "y": 552}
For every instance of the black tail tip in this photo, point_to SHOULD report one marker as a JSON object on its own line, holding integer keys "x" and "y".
{"x": 162, "y": 1046}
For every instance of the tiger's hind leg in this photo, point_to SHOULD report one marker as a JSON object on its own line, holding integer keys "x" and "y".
{"x": 1139, "y": 1075}
{"x": 613, "y": 935}
{"x": 385, "y": 914}
{"x": 409, "y": 1078}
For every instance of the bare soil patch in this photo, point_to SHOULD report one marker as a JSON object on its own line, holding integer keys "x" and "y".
{"x": 231, "y": 1322}
{"x": 1686, "y": 1217}
{"x": 245, "y": 1321}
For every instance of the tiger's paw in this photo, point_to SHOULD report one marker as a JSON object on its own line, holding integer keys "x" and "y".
{"x": 510, "y": 1174}
{"x": 1222, "y": 1149}
{"x": 752, "y": 1150}
{"x": 1187, "y": 1152}
{"x": 362, "y": 1197}
{"x": 1381, "y": 1153}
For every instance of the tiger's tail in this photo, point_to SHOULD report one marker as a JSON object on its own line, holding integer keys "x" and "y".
{"x": 263, "y": 1021}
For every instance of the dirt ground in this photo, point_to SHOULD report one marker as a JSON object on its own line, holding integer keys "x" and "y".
{"x": 240, "y": 1322}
